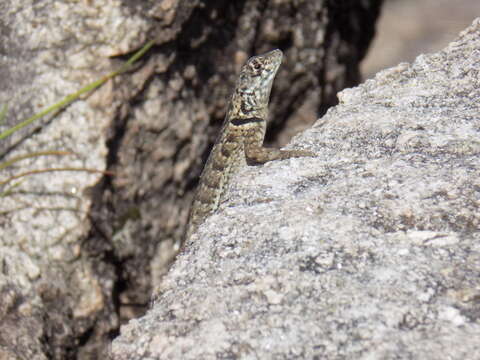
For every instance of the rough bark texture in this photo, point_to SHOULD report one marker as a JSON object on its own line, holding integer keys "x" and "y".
{"x": 369, "y": 251}
{"x": 80, "y": 252}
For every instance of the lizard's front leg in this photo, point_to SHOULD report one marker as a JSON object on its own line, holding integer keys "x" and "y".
{"x": 256, "y": 153}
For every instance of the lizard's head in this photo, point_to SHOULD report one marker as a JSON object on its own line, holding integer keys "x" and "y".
{"x": 259, "y": 71}
{"x": 256, "y": 79}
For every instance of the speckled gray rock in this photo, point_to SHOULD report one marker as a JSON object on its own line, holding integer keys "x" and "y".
{"x": 51, "y": 296}
{"x": 81, "y": 252}
{"x": 369, "y": 251}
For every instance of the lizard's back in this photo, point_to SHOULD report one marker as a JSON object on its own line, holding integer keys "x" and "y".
{"x": 241, "y": 137}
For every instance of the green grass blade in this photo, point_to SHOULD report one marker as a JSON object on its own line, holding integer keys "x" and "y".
{"x": 3, "y": 112}
{"x": 41, "y": 171}
{"x": 10, "y": 190}
{"x": 31, "y": 155}
{"x": 69, "y": 98}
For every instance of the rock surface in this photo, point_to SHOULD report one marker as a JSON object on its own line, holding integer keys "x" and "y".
{"x": 369, "y": 251}
{"x": 80, "y": 252}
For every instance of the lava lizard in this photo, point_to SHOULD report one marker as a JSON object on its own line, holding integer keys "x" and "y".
{"x": 241, "y": 138}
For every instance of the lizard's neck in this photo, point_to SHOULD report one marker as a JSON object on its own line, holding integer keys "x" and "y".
{"x": 249, "y": 104}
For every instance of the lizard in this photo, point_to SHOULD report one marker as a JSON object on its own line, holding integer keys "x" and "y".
{"x": 240, "y": 141}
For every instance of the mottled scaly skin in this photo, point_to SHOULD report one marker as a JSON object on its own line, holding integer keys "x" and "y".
{"x": 241, "y": 138}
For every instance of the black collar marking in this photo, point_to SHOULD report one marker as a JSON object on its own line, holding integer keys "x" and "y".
{"x": 240, "y": 122}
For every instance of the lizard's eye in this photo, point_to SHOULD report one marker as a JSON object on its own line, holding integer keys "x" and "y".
{"x": 257, "y": 66}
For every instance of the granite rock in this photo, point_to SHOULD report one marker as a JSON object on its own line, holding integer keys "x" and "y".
{"x": 371, "y": 250}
